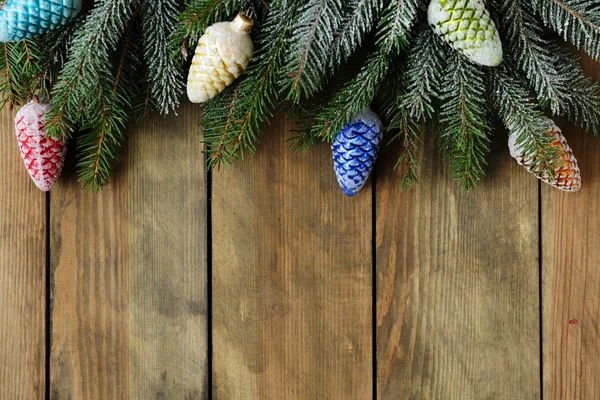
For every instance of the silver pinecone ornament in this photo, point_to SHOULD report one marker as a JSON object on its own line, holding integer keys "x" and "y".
{"x": 567, "y": 176}
{"x": 222, "y": 54}
{"x": 467, "y": 26}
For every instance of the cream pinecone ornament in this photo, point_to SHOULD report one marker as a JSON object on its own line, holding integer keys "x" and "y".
{"x": 567, "y": 176}
{"x": 222, "y": 54}
{"x": 467, "y": 26}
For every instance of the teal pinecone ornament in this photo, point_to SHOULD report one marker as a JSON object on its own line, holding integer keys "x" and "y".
{"x": 355, "y": 150}
{"x": 467, "y": 26}
{"x": 25, "y": 19}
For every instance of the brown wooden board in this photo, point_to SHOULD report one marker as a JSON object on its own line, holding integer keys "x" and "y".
{"x": 129, "y": 268}
{"x": 457, "y": 282}
{"x": 22, "y": 274}
{"x": 571, "y": 274}
{"x": 291, "y": 278}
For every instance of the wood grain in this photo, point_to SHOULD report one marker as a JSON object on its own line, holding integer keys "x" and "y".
{"x": 22, "y": 274}
{"x": 457, "y": 282}
{"x": 291, "y": 278}
{"x": 129, "y": 273}
{"x": 571, "y": 274}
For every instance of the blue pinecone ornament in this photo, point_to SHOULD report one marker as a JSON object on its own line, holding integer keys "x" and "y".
{"x": 25, "y": 19}
{"x": 355, "y": 151}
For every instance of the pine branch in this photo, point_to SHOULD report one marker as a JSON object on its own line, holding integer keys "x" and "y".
{"x": 217, "y": 120}
{"x": 199, "y": 14}
{"x": 352, "y": 98}
{"x": 578, "y": 21}
{"x": 425, "y": 68}
{"x": 164, "y": 75}
{"x": 88, "y": 67}
{"x": 104, "y": 127}
{"x": 252, "y": 103}
{"x": 409, "y": 134}
{"x": 535, "y": 55}
{"x": 358, "y": 18}
{"x": 11, "y": 85}
{"x": 582, "y": 95}
{"x": 397, "y": 20}
{"x": 463, "y": 117}
{"x": 305, "y": 69}
{"x": 522, "y": 118}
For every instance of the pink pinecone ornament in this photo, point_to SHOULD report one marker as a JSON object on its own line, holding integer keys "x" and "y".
{"x": 567, "y": 176}
{"x": 44, "y": 156}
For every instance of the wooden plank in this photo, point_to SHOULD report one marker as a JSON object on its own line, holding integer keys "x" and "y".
{"x": 571, "y": 275}
{"x": 292, "y": 289}
{"x": 129, "y": 311}
{"x": 22, "y": 274}
{"x": 457, "y": 282}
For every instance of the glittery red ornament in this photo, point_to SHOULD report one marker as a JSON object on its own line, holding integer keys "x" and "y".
{"x": 44, "y": 156}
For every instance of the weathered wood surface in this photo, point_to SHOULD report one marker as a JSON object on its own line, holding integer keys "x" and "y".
{"x": 291, "y": 280}
{"x": 571, "y": 275}
{"x": 129, "y": 301}
{"x": 22, "y": 274}
{"x": 459, "y": 313}
{"x": 457, "y": 282}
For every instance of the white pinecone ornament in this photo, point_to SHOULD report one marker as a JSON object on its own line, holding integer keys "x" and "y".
{"x": 567, "y": 176}
{"x": 44, "y": 156}
{"x": 222, "y": 54}
{"x": 467, "y": 26}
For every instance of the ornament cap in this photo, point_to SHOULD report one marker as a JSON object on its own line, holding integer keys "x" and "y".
{"x": 243, "y": 22}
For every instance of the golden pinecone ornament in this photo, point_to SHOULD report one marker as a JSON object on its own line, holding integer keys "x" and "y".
{"x": 222, "y": 54}
{"x": 567, "y": 176}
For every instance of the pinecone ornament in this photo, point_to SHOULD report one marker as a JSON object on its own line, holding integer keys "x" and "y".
{"x": 25, "y": 19}
{"x": 355, "y": 150}
{"x": 467, "y": 26}
{"x": 44, "y": 156}
{"x": 222, "y": 54}
{"x": 567, "y": 176}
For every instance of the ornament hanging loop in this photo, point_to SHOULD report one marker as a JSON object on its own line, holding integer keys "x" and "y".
{"x": 243, "y": 22}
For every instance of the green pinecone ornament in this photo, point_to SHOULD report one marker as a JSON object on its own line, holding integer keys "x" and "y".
{"x": 467, "y": 26}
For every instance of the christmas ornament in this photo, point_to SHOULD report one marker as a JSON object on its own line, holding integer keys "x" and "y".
{"x": 44, "y": 156}
{"x": 355, "y": 150}
{"x": 567, "y": 176}
{"x": 222, "y": 54}
{"x": 25, "y": 19}
{"x": 467, "y": 26}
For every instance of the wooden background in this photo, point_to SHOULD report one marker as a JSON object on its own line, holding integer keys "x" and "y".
{"x": 265, "y": 282}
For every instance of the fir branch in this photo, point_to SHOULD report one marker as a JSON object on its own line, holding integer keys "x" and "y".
{"x": 305, "y": 70}
{"x": 352, "y": 98}
{"x": 556, "y": 76}
{"x": 253, "y": 102}
{"x": 463, "y": 117}
{"x": 582, "y": 95}
{"x": 88, "y": 66}
{"x": 409, "y": 134}
{"x": 425, "y": 67}
{"x": 578, "y": 21}
{"x": 11, "y": 86}
{"x": 217, "y": 120}
{"x": 522, "y": 118}
{"x": 535, "y": 55}
{"x": 164, "y": 75}
{"x": 409, "y": 98}
{"x": 104, "y": 127}
{"x": 397, "y": 20}
{"x": 358, "y": 18}
{"x": 21, "y": 63}
{"x": 199, "y": 14}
